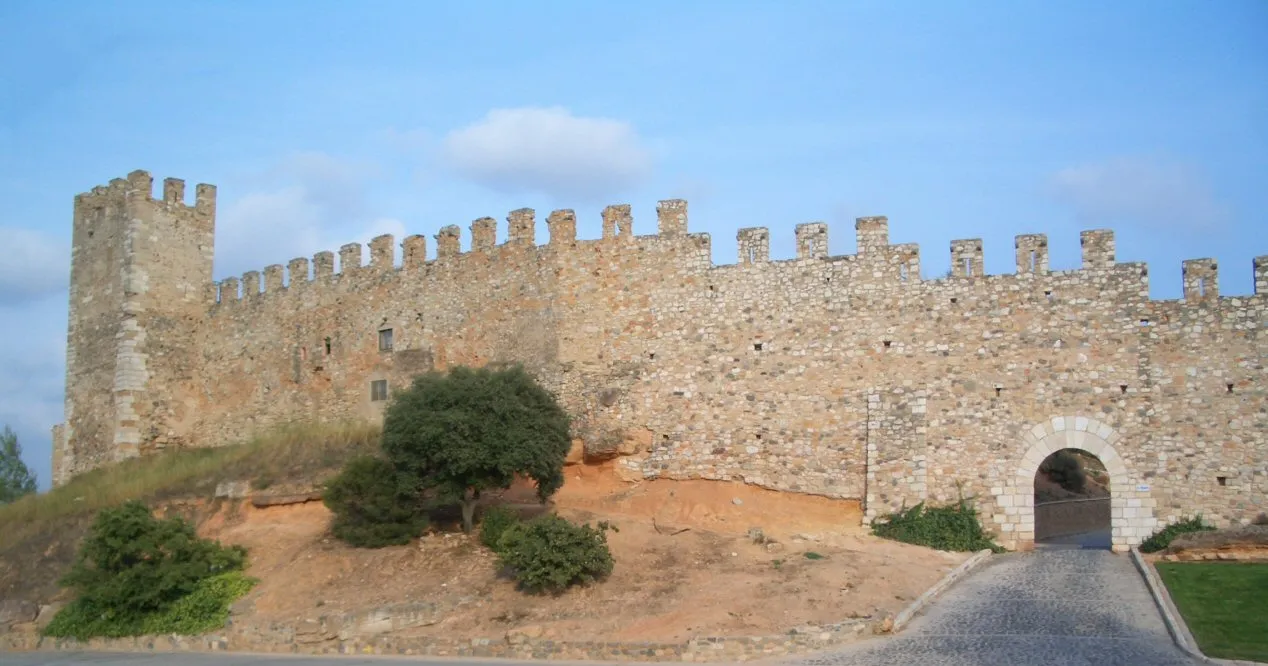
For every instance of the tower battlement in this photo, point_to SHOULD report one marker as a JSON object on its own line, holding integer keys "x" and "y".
{"x": 850, "y": 376}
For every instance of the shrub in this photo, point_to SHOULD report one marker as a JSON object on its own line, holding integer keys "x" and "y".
{"x": 204, "y": 609}
{"x": 373, "y": 507}
{"x": 495, "y": 522}
{"x": 475, "y": 430}
{"x": 1065, "y": 470}
{"x": 952, "y": 527}
{"x": 1163, "y": 537}
{"x": 133, "y": 569}
{"x": 549, "y": 554}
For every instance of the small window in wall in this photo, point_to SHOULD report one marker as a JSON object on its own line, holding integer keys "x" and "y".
{"x": 327, "y": 346}
{"x": 378, "y": 390}
{"x": 385, "y": 340}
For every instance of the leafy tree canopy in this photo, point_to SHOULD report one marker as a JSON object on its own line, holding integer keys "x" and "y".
{"x": 15, "y": 479}
{"x": 473, "y": 430}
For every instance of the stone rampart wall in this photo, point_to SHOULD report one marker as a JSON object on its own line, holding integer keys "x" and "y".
{"x": 846, "y": 376}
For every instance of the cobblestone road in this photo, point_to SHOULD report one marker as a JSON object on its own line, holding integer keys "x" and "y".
{"x": 1050, "y": 607}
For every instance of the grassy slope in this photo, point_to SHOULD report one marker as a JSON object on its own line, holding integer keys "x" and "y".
{"x": 40, "y": 532}
{"x": 1225, "y": 605}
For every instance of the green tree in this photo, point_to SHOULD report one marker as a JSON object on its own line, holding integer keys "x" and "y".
{"x": 15, "y": 479}
{"x": 474, "y": 430}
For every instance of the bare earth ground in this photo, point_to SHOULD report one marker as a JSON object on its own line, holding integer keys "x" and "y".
{"x": 684, "y": 566}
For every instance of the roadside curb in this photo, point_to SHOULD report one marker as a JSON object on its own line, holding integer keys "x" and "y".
{"x": 939, "y": 587}
{"x": 1171, "y": 617}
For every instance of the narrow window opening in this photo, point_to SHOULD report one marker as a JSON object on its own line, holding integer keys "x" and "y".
{"x": 886, "y": 343}
{"x": 1222, "y": 480}
{"x": 664, "y": 438}
{"x": 759, "y": 435}
{"x": 1229, "y": 387}
{"x": 1144, "y": 322}
{"x": 1201, "y": 286}
{"x": 385, "y": 340}
{"x": 327, "y": 346}
{"x": 757, "y": 346}
{"x": 1048, "y": 295}
{"x": 303, "y": 353}
{"x": 998, "y": 391}
{"x": 651, "y": 356}
{"x": 954, "y": 299}
{"x": 902, "y": 273}
{"x": 1034, "y": 261}
{"x": 968, "y": 266}
{"x": 710, "y": 287}
{"x": 378, "y": 390}
{"x": 1122, "y": 387}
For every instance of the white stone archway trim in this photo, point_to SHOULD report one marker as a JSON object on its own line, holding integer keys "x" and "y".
{"x": 1131, "y": 504}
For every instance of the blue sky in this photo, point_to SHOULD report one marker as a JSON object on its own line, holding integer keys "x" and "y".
{"x": 326, "y": 122}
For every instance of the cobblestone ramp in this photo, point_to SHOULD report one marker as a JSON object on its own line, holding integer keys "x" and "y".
{"x": 1048, "y": 607}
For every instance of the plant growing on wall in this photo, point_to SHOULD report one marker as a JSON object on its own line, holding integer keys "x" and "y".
{"x": 473, "y": 430}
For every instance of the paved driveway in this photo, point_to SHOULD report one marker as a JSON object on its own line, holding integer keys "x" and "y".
{"x": 1052, "y": 606}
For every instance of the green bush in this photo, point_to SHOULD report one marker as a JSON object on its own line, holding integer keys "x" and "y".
{"x": 134, "y": 569}
{"x": 1066, "y": 470}
{"x": 549, "y": 554}
{"x": 953, "y": 527}
{"x": 203, "y": 610}
{"x": 1162, "y": 538}
{"x": 494, "y": 523}
{"x": 373, "y": 506}
{"x": 472, "y": 430}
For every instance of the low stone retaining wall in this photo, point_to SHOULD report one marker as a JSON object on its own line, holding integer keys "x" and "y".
{"x": 514, "y": 646}
{"x": 1064, "y": 517}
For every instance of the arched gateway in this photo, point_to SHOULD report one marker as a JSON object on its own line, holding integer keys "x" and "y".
{"x": 1131, "y": 505}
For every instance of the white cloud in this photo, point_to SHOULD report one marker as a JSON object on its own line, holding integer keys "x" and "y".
{"x": 1154, "y": 192}
{"x": 548, "y": 150}
{"x": 316, "y": 203}
{"x": 37, "y": 264}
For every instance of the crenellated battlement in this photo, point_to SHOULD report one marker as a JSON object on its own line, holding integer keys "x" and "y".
{"x": 891, "y": 265}
{"x": 138, "y": 186}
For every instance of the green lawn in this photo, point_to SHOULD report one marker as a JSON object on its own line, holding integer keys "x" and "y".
{"x": 1225, "y": 605}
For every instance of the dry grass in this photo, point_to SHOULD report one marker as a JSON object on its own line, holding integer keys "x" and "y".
{"x": 41, "y": 529}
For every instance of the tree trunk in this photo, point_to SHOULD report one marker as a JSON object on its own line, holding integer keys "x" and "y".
{"x": 469, "y": 500}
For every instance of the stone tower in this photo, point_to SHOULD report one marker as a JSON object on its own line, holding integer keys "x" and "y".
{"x": 140, "y": 285}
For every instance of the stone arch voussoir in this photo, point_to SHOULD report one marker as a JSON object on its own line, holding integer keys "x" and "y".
{"x": 1131, "y": 506}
